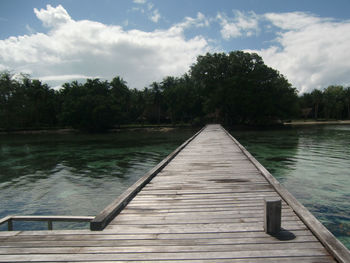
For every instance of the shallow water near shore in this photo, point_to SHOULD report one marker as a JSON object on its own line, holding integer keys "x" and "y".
{"x": 79, "y": 174}
{"x": 313, "y": 163}
{"x": 75, "y": 174}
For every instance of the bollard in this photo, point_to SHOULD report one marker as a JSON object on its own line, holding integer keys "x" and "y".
{"x": 49, "y": 225}
{"x": 272, "y": 216}
{"x": 10, "y": 225}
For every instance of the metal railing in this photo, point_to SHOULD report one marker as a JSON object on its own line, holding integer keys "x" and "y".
{"x": 50, "y": 219}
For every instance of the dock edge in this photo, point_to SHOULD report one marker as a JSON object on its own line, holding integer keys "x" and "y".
{"x": 113, "y": 209}
{"x": 328, "y": 240}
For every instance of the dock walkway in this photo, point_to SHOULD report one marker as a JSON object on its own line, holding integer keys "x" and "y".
{"x": 205, "y": 205}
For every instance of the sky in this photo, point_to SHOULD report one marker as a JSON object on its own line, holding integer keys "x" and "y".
{"x": 143, "y": 41}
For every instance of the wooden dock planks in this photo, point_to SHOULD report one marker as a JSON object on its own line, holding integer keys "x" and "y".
{"x": 205, "y": 205}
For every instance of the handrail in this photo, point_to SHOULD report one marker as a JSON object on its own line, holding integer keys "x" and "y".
{"x": 9, "y": 219}
{"x": 100, "y": 221}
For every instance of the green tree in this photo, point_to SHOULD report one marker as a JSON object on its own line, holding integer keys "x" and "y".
{"x": 317, "y": 98}
{"x": 155, "y": 108}
{"x": 8, "y": 87}
{"x": 26, "y": 103}
{"x": 157, "y": 99}
{"x": 88, "y": 107}
{"x": 39, "y": 104}
{"x": 334, "y": 101}
{"x": 121, "y": 96}
{"x": 305, "y": 104}
{"x": 347, "y": 101}
{"x": 181, "y": 98}
{"x": 242, "y": 89}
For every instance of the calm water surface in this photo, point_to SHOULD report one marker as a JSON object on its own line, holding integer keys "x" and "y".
{"x": 75, "y": 174}
{"x": 313, "y": 163}
{"x": 81, "y": 174}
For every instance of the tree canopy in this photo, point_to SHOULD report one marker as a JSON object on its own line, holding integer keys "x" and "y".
{"x": 240, "y": 88}
{"x": 331, "y": 103}
{"x": 230, "y": 88}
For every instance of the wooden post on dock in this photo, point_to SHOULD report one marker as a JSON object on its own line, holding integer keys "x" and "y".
{"x": 272, "y": 216}
{"x": 49, "y": 225}
{"x": 9, "y": 225}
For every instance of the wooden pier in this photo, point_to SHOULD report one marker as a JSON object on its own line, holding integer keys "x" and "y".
{"x": 203, "y": 203}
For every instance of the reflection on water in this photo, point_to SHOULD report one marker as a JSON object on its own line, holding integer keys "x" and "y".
{"x": 81, "y": 174}
{"x": 75, "y": 174}
{"x": 313, "y": 163}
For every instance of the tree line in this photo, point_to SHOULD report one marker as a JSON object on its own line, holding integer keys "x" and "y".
{"x": 331, "y": 103}
{"x": 230, "y": 88}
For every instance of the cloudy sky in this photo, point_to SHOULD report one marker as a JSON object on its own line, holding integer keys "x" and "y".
{"x": 145, "y": 40}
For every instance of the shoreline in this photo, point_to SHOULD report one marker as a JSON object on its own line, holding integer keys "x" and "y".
{"x": 161, "y": 128}
{"x": 40, "y": 131}
{"x": 306, "y": 123}
{"x": 146, "y": 128}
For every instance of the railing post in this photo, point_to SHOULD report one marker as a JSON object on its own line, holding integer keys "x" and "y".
{"x": 9, "y": 225}
{"x": 49, "y": 225}
{"x": 272, "y": 215}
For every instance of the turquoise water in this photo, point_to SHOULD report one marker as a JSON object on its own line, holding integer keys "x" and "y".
{"x": 81, "y": 174}
{"x": 313, "y": 163}
{"x": 75, "y": 174}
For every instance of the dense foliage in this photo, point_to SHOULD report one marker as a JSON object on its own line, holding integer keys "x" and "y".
{"x": 233, "y": 88}
{"x": 331, "y": 103}
{"x": 240, "y": 88}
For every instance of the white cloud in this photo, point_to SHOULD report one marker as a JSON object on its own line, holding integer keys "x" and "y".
{"x": 292, "y": 21}
{"x": 87, "y": 48}
{"x": 228, "y": 30}
{"x": 30, "y": 29}
{"x": 66, "y": 77}
{"x": 138, "y": 9}
{"x": 53, "y": 16}
{"x": 312, "y": 52}
{"x": 150, "y": 6}
{"x": 149, "y": 10}
{"x": 199, "y": 21}
{"x": 139, "y": 1}
{"x": 240, "y": 25}
{"x": 3, "y": 67}
{"x": 155, "y": 16}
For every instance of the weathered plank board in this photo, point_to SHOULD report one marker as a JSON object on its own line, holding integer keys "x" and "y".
{"x": 232, "y": 237}
{"x": 205, "y": 203}
{"x": 141, "y": 248}
{"x": 257, "y": 260}
{"x": 107, "y": 214}
{"x": 213, "y": 255}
